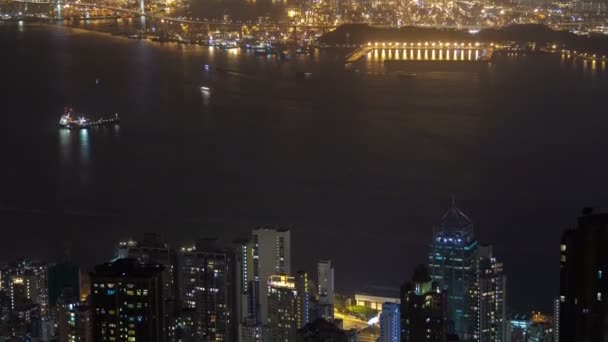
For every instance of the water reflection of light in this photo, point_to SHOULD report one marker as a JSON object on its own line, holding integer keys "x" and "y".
{"x": 65, "y": 146}
{"x": 470, "y": 53}
{"x": 441, "y": 54}
{"x": 85, "y": 146}
{"x": 433, "y": 55}
{"x": 206, "y": 96}
{"x": 593, "y": 65}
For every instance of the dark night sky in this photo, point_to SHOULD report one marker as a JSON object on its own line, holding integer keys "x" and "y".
{"x": 360, "y": 169}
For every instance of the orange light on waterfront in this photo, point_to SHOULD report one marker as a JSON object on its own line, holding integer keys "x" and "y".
{"x": 419, "y": 43}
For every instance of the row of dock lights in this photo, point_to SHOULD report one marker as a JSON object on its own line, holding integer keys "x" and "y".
{"x": 426, "y": 44}
{"x": 584, "y": 55}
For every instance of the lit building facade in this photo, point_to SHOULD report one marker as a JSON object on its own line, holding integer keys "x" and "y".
{"x": 271, "y": 255}
{"x": 28, "y": 284}
{"x": 423, "y": 309}
{"x": 452, "y": 263}
{"x": 390, "y": 323}
{"x": 556, "y": 305}
{"x": 127, "y": 302}
{"x": 492, "y": 294}
{"x": 583, "y": 297}
{"x": 251, "y": 331}
{"x": 282, "y": 313}
{"x": 243, "y": 260}
{"x": 74, "y": 322}
{"x": 326, "y": 289}
{"x": 303, "y": 299}
{"x": 207, "y": 285}
{"x": 152, "y": 250}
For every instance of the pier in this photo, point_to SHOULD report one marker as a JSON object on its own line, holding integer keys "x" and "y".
{"x": 421, "y": 51}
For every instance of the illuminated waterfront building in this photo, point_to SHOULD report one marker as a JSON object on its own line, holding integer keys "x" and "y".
{"x": 127, "y": 302}
{"x": 423, "y": 309}
{"x": 492, "y": 323}
{"x": 271, "y": 255}
{"x": 207, "y": 285}
{"x": 326, "y": 289}
{"x": 452, "y": 263}
{"x": 152, "y": 250}
{"x": 390, "y": 327}
{"x": 583, "y": 307}
{"x": 282, "y": 313}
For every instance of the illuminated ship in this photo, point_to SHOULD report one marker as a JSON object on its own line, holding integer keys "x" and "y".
{"x": 70, "y": 121}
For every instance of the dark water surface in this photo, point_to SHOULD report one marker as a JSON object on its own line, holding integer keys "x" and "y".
{"x": 360, "y": 166}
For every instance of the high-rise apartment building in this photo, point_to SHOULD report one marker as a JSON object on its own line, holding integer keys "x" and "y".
{"x": 152, "y": 250}
{"x": 74, "y": 319}
{"x": 303, "y": 299}
{"x": 282, "y": 313}
{"x": 492, "y": 324}
{"x": 583, "y": 306}
{"x": 326, "y": 289}
{"x": 127, "y": 302}
{"x": 423, "y": 309}
{"x": 390, "y": 323}
{"x": 271, "y": 255}
{"x": 556, "y": 305}
{"x": 452, "y": 263}
{"x": 207, "y": 286}
{"x": 243, "y": 260}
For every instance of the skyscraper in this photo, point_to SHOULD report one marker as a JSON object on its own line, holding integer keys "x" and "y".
{"x": 207, "y": 285}
{"x": 282, "y": 313}
{"x": 390, "y": 326}
{"x": 243, "y": 254}
{"x": 271, "y": 255}
{"x": 423, "y": 309}
{"x": 62, "y": 275}
{"x": 556, "y": 305}
{"x": 583, "y": 307}
{"x": 452, "y": 263}
{"x": 492, "y": 323}
{"x": 28, "y": 284}
{"x": 326, "y": 289}
{"x": 74, "y": 318}
{"x": 303, "y": 299}
{"x": 127, "y": 302}
{"x": 152, "y": 250}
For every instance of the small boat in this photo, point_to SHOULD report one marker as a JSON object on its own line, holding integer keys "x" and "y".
{"x": 203, "y": 88}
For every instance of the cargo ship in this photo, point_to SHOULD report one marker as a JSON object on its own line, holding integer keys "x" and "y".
{"x": 70, "y": 121}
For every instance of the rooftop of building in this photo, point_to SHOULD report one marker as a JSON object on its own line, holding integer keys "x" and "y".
{"x": 320, "y": 328}
{"x": 455, "y": 220}
{"x": 127, "y": 268}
